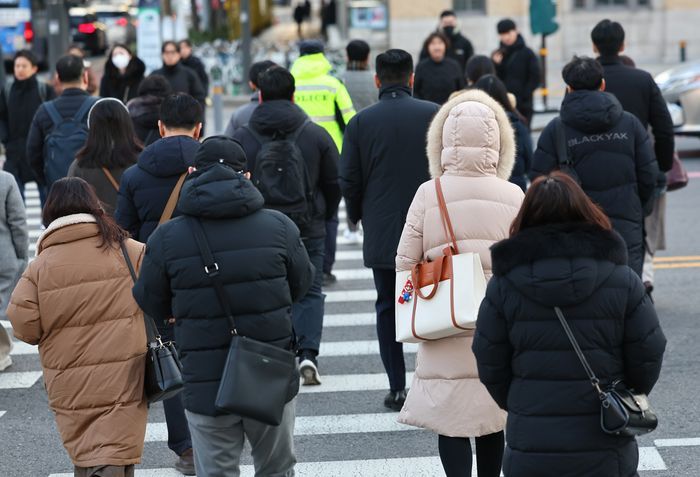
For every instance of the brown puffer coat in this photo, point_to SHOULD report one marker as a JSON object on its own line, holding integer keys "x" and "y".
{"x": 74, "y": 301}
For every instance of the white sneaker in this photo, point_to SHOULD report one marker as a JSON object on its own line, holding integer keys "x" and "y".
{"x": 352, "y": 237}
{"x": 5, "y": 363}
{"x": 309, "y": 373}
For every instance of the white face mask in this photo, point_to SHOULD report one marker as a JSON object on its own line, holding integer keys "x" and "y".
{"x": 121, "y": 61}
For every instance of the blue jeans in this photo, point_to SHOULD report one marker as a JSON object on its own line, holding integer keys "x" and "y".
{"x": 307, "y": 313}
{"x": 179, "y": 439}
{"x": 389, "y": 349}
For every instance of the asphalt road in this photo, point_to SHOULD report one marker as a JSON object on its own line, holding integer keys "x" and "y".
{"x": 342, "y": 426}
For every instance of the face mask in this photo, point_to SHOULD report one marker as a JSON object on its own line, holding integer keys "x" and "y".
{"x": 449, "y": 30}
{"x": 121, "y": 61}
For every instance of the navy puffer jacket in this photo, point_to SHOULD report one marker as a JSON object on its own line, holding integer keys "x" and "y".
{"x": 529, "y": 366}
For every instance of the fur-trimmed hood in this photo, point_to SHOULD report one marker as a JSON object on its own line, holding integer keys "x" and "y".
{"x": 471, "y": 135}
{"x": 559, "y": 264}
{"x": 61, "y": 223}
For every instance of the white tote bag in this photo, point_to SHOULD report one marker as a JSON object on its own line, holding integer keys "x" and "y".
{"x": 440, "y": 298}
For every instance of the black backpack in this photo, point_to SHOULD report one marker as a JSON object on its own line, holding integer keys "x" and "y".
{"x": 281, "y": 175}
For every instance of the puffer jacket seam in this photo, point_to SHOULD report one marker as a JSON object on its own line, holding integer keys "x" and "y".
{"x": 130, "y": 358}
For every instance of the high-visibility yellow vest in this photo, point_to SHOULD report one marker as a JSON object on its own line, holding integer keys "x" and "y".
{"x": 318, "y": 93}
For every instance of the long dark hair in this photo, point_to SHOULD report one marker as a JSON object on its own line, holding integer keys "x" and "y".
{"x": 556, "y": 199}
{"x": 478, "y": 66}
{"x": 439, "y": 36}
{"x": 112, "y": 141}
{"x": 494, "y": 87}
{"x": 72, "y": 195}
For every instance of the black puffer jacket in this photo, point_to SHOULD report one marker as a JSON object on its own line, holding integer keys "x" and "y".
{"x": 520, "y": 71}
{"x": 145, "y": 187}
{"x": 183, "y": 80}
{"x": 123, "y": 87}
{"x": 317, "y": 148}
{"x": 531, "y": 370}
{"x": 437, "y": 81}
{"x": 145, "y": 113}
{"x": 263, "y": 264}
{"x": 613, "y": 158}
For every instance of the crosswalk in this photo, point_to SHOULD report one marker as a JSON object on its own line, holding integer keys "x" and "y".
{"x": 342, "y": 428}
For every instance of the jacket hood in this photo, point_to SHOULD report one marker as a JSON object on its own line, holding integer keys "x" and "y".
{"x": 559, "y": 264}
{"x": 591, "y": 111}
{"x": 471, "y": 135}
{"x": 277, "y": 116}
{"x": 311, "y": 66}
{"x": 58, "y": 232}
{"x": 219, "y": 192}
{"x": 169, "y": 156}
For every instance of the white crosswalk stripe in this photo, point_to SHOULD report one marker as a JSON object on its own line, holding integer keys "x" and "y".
{"x": 349, "y": 328}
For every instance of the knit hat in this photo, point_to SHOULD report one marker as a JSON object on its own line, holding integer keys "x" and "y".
{"x": 222, "y": 150}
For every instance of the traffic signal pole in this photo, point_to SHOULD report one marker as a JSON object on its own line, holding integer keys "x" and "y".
{"x": 246, "y": 38}
{"x": 57, "y": 14}
{"x": 543, "y": 64}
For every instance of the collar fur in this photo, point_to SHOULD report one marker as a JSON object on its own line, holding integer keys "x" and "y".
{"x": 555, "y": 241}
{"x": 64, "y": 221}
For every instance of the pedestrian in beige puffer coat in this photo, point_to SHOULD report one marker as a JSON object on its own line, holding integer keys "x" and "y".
{"x": 471, "y": 148}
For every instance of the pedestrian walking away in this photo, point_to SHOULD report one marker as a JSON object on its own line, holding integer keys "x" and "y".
{"x": 14, "y": 245}
{"x": 123, "y": 74}
{"x": 517, "y": 66}
{"x": 264, "y": 268}
{"x": 639, "y": 94}
{"x": 562, "y": 252}
{"x": 92, "y": 85}
{"x": 460, "y": 49}
{"x": 606, "y": 148}
{"x": 75, "y": 301}
{"x": 438, "y": 76}
{"x": 194, "y": 63}
{"x": 280, "y": 135}
{"x": 111, "y": 147}
{"x": 144, "y": 194}
{"x": 59, "y": 127}
{"x": 446, "y": 395}
{"x": 241, "y": 116}
{"x": 19, "y": 102}
{"x": 145, "y": 108}
{"x": 181, "y": 78}
{"x": 358, "y": 77}
{"x": 382, "y": 165}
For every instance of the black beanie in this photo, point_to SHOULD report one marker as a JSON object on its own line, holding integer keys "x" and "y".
{"x": 222, "y": 150}
{"x": 310, "y": 47}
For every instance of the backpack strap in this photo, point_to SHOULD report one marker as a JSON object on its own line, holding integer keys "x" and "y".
{"x": 563, "y": 157}
{"x": 295, "y": 135}
{"x": 7, "y": 90}
{"x": 43, "y": 90}
{"x": 56, "y": 118}
{"x": 84, "y": 110}
{"x": 257, "y": 136}
{"x": 172, "y": 200}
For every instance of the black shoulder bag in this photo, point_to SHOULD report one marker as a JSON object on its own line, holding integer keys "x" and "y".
{"x": 622, "y": 411}
{"x": 163, "y": 378}
{"x": 257, "y": 375}
{"x": 566, "y": 163}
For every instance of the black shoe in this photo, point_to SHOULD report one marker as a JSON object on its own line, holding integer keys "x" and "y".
{"x": 308, "y": 368}
{"x": 328, "y": 279}
{"x": 185, "y": 463}
{"x": 395, "y": 399}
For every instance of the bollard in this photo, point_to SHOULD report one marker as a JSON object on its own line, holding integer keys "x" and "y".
{"x": 218, "y": 91}
{"x": 683, "y": 45}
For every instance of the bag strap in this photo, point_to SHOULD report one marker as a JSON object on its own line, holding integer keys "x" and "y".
{"x": 43, "y": 93}
{"x": 56, "y": 118}
{"x": 595, "y": 382}
{"x": 8, "y": 90}
{"x": 83, "y": 110}
{"x": 111, "y": 179}
{"x": 152, "y": 334}
{"x": 563, "y": 157}
{"x": 172, "y": 200}
{"x": 211, "y": 268}
{"x": 297, "y": 133}
{"x": 445, "y": 215}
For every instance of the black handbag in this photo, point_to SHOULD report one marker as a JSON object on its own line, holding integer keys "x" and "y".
{"x": 163, "y": 378}
{"x": 257, "y": 376}
{"x": 622, "y": 411}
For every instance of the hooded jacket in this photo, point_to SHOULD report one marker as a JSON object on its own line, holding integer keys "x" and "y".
{"x": 520, "y": 71}
{"x": 262, "y": 263}
{"x": 183, "y": 80}
{"x": 145, "y": 187}
{"x": 612, "y": 157}
{"x": 529, "y": 366}
{"x": 14, "y": 238}
{"x": 74, "y": 301}
{"x": 145, "y": 113}
{"x": 322, "y": 96}
{"x": 384, "y": 161}
{"x": 523, "y": 146}
{"x": 316, "y": 146}
{"x": 123, "y": 87}
{"x": 471, "y": 148}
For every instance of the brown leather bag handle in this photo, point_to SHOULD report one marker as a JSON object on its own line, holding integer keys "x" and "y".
{"x": 111, "y": 179}
{"x": 445, "y": 215}
{"x": 415, "y": 276}
{"x": 172, "y": 200}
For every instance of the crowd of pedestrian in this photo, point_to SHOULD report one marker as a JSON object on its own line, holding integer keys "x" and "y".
{"x": 433, "y": 159}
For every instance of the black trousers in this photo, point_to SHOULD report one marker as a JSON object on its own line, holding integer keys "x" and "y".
{"x": 456, "y": 455}
{"x": 390, "y": 351}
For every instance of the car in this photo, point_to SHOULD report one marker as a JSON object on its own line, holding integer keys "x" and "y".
{"x": 119, "y": 23}
{"x": 87, "y": 31}
{"x": 680, "y": 87}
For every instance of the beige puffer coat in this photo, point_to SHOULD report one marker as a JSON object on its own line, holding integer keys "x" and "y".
{"x": 74, "y": 301}
{"x": 471, "y": 148}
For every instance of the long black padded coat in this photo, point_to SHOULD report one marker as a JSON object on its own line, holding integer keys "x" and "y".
{"x": 262, "y": 263}
{"x": 613, "y": 159}
{"x": 531, "y": 370}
